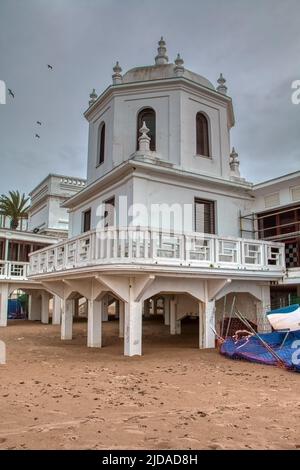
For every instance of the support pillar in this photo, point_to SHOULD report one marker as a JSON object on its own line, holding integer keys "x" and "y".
{"x": 3, "y": 304}
{"x": 56, "y": 314}
{"x": 201, "y": 325}
{"x": 94, "y": 324}
{"x": 67, "y": 319}
{"x": 133, "y": 326}
{"x": 167, "y": 310}
{"x": 173, "y": 316}
{"x": 208, "y": 321}
{"x": 262, "y": 307}
{"x": 34, "y": 307}
{"x": 45, "y": 308}
{"x": 121, "y": 318}
{"x": 178, "y": 327}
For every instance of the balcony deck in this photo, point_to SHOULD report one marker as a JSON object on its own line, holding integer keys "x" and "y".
{"x": 130, "y": 249}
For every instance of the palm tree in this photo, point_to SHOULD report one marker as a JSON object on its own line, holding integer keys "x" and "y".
{"x": 15, "y": 207}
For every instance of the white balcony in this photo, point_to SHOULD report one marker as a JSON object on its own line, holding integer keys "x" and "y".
{"x": 13, "y": 270}
{"x": 132, "y": 248}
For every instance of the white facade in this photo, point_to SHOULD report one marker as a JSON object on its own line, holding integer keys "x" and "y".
{"x": 152, "y": 245}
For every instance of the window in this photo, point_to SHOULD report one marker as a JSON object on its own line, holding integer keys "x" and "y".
{"x": 204, "y": 216}
{"x": 109, "y": 213}
{"x": 87, "y": 220}
{"x": 147, "y": 115}
{"x": 101, "y": 143}
{"x": 202, "y": 135}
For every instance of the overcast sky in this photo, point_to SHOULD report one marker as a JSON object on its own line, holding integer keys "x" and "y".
{"x": 255, "y": 43}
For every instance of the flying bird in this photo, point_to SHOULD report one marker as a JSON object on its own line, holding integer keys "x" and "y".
{"x": 39, "y": 123}
{"x": 37, "y": 136}
{"x": 11, "y": 93}
{"x": 50, "y": 67}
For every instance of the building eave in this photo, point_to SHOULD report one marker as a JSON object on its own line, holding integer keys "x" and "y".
{"x": 173, "y": 81}
{"x": 277, "y": 180}
{"x": 129, "y": 167}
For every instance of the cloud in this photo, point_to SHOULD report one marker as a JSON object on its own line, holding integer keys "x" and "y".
{"x": 254, "y": 43}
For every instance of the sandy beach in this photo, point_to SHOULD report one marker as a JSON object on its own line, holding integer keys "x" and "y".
{"x": 63, "y": 395}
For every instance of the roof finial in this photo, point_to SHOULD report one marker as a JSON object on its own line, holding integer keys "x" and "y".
{"x": 161, "y": 57}
{"x": 179, "y": 68}
{"x": 93, "y": 97}
{"x": 222, "y": 88}
{"x": 116, "y": 76}
{"x": 144, "y": 139}
{"x": 234, "y": 163}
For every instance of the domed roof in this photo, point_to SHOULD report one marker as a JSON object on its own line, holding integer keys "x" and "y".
{"x": 163, "y": 71}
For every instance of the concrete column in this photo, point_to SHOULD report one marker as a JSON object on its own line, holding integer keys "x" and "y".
{"x": 105, "y": 308}
{"x": 208, "y": 321}
{"x": 34, "y": 307}
{"x": 201, "y": 325}
{"x": 67, "y": 319}
{"x": 45, "y": 307}
{"x": 133, "y": 327}
{"x": 3, "y": 304}
{"x": 173, "y": 316}
{"x": 121, "y": 318}
{"x": 94, "y": 324}
{"x": 167, "y": 310}
{"x": 56, "y": 314}
{"x": 262, "y": 307}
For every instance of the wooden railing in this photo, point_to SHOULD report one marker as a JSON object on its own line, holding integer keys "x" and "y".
{"x": 149, "y": 246}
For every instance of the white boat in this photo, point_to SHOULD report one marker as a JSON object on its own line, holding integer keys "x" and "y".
{"x": 287, "y": 318}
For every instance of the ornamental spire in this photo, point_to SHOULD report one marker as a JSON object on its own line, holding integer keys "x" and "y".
{"x": 117, "y": 76}
{"x": 93, "y": 97}
{"x": 222, "y": 88}
{"x": 234, "y": 163}
{"x": 161, "y": 57}
{"x": 144, "y": 139}
{"x": 179, "y": 68}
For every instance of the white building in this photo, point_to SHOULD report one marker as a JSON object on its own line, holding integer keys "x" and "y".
{"x": 276, "y": 217}
{"x": 160, "y": 215}
{"x": 47, "y": 224}
{"x": 46, "y": 214}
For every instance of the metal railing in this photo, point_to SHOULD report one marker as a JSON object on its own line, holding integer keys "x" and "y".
{"x": 133, "y": 245}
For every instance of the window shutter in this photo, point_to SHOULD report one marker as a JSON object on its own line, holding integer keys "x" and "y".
{"x": 204, "y": 216}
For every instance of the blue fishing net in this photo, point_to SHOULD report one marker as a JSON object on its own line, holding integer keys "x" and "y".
{"x": 254, "y": 350}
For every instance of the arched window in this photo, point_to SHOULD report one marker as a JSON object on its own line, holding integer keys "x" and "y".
{"x": 101, "y": 143}
{"x": 147, "y": 115}
{"x": 202, "y": 135}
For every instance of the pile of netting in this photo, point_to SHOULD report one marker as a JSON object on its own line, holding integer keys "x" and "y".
{"x": 278, "y": 348}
